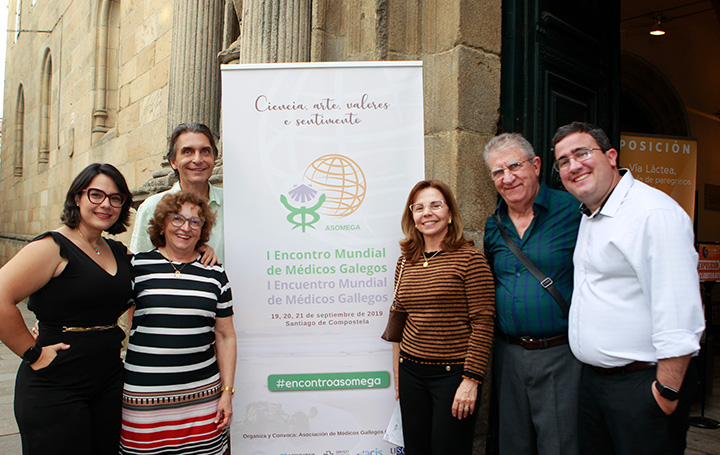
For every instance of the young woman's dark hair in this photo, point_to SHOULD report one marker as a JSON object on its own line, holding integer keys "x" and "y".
{"x": 71, "y": 212}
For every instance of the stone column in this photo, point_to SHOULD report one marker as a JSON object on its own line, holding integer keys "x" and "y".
{"x": 100, "y": 113}
{"x": 275, "y": 32}
{"x": 194, "y": 86}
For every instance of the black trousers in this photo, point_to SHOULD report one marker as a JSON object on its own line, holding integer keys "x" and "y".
{"x": 426, "y": 397}
{"x": 619, "y": 415}
{"x": 73, "y": 406}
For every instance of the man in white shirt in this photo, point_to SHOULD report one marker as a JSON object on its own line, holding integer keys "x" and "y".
{"x": 192, "y": 153}
{"x": 636, "y": 314}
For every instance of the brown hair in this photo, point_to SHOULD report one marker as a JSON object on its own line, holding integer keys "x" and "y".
{"x": 413, "y": 245}
{"x": 172, "y": 203}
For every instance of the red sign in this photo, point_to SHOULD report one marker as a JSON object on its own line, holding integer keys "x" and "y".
{"x": 709, "y": 266}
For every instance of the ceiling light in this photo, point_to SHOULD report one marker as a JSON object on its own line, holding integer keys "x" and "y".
{"x": 658, "y": 30}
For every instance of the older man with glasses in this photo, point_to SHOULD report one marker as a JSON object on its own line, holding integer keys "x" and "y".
{"x": 535, "y": 374}
{"x": 636, "y": 315}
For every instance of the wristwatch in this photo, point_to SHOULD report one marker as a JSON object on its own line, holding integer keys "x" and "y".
{"x": 32, "y": 354}
{"x": 667, "y": 392}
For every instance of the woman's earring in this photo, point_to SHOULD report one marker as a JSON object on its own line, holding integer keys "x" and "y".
{"x": 450, "y": 221}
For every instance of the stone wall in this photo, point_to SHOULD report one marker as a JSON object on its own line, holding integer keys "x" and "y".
{"x": 137, "y": 54}
{"x": 111, "y": 81}
{"x": 457, "y": 40}
{"x": 459, "y": 43}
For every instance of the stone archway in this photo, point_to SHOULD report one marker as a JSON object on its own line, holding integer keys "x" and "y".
{"x": 649, "y": 103}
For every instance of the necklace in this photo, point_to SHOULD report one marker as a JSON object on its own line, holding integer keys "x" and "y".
{"x": 425, "y": 264}
{"x": 97, "y": 251}
{"x": 177, "y": 270}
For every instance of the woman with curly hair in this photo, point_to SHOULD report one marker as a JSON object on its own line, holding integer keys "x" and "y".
{"x": 180, "y": 363}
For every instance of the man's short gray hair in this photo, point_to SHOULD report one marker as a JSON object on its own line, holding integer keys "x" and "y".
{"x": 505, "y": 141}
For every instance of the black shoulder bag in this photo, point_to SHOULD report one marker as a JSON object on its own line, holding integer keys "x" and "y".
{"x": 545, "y": 281}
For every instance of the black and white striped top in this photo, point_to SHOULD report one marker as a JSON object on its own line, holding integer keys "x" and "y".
{"x": 172, "y": 336}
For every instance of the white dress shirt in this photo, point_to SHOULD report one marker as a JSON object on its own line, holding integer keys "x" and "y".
{"x": 637, "y": 294}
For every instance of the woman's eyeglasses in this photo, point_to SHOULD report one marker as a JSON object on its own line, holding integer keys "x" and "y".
{"x": 97, "y": 197}
{"x": 434, "y": 206}
{"x": 178, "y": 220}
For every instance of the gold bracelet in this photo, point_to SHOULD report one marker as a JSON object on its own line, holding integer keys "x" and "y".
{"x": 227, "y": 387}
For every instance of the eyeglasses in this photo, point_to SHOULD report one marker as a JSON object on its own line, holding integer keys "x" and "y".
{"x": 97, "y": 197}
{"x": 580, "y": 154}
{"x": 420, "y": 208}
{"x": 178, "y": 220}
{"x": 515, "y": 166}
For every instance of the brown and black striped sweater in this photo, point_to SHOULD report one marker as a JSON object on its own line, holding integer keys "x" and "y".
{"x": 451, "y": 310}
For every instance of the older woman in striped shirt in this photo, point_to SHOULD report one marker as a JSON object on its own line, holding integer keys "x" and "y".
{"x": 446, "y": 287}
{"x": 180, "y": 364}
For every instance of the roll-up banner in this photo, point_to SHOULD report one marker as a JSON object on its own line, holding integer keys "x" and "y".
{"x": 318, "y": 160}
{"x": 664, "y": 162}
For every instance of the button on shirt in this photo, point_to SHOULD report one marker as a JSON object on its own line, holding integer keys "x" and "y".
{"x": 523, "y": 306}
{"x": 636, "y": 295}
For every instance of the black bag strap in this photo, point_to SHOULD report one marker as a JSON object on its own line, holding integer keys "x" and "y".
{"x": 545, "y": 281}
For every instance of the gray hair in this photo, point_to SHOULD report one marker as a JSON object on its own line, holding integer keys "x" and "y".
{"x": 505, "y": 141}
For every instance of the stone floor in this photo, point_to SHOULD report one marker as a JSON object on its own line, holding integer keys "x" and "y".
{"x": 9, "y": 436}
{"x": 703, "y": 441}
{"x": 699, "y": 441}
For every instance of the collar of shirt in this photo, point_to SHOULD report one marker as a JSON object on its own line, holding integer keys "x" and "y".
{"x": 620, "y": 190}
{"x": 541, "y": 205}
{"x": 215, "y": 193}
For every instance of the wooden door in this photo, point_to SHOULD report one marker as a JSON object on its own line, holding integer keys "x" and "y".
{"x": 560, "y": 63}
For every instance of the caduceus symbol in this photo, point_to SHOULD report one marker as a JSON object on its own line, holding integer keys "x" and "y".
{"x": 301, "y": 194}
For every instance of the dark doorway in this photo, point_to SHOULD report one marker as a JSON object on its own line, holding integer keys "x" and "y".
{"x": 560, "y": 63}
{"x": 649, "y": 103}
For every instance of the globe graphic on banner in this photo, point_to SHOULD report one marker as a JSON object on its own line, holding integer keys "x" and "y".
{"x": 342, "y": 181}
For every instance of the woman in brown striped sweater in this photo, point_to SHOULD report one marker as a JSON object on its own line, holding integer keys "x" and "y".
{"x": 447, "y": 289}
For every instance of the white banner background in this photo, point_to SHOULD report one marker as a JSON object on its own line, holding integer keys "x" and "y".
{"x": 318, "y": 160}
